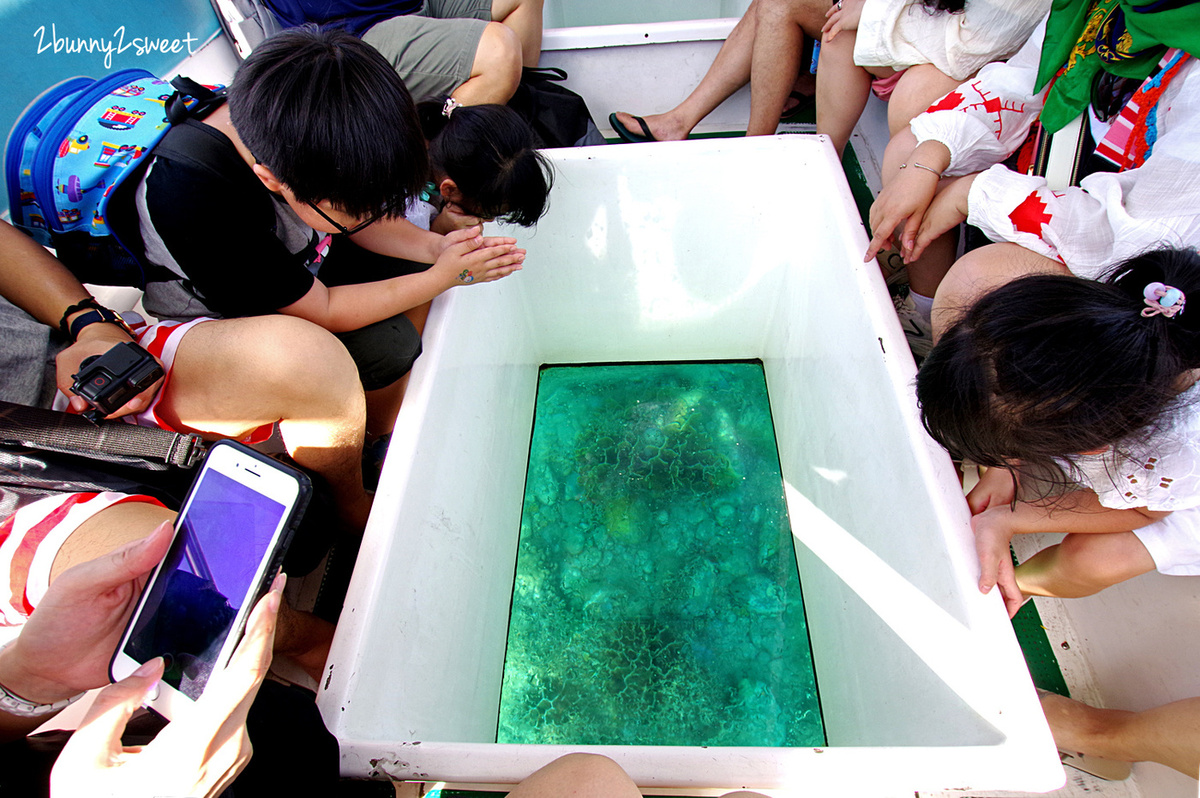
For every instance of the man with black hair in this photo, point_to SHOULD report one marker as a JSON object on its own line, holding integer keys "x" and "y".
{"x": 472, "y": 50}
{"x": 285, "y": 199}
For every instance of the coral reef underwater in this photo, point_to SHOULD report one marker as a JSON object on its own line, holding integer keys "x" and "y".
{"x": 656, "y": 599}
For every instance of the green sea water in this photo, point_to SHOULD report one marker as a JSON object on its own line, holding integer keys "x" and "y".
{"x": 656, "y": 599}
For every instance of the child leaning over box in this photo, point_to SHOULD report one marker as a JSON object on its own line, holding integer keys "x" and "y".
{"x": 288, "y": 201}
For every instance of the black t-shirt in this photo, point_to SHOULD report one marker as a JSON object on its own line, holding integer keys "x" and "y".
{"x": 204, "y": 214}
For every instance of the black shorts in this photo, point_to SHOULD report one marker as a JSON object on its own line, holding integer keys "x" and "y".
{"x": 386, "y": 350}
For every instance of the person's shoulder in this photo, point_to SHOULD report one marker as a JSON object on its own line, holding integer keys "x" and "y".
{"x": 196, "y": 170}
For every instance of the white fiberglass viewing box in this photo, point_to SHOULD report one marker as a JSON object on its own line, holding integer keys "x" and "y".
{"x": 720, "y": 249}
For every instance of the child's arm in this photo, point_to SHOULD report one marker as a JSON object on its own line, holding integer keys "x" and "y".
{"x": 470, "y": 258}
{"x": 1075, "y": 513}
{"x": 400, "y": 238}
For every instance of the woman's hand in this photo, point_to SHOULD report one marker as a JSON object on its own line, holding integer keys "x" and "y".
{"x": 947, "y": 211}
{"x": 902, "y": 202}
{"x": 471, "y": 258}
{"x": 65, "y": 646}
{"x": 906, "y": 197}
{"x": 200, "y": 753}
{"x": 843, "y": 15}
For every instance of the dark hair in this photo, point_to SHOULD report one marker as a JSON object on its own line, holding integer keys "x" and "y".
{"x": 489, "y": 152}
{"x": 949, "y": 6}
{"x": 1047, "y": 367}
{"x": 328, "y": 115}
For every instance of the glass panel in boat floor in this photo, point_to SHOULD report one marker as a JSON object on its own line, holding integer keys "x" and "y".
{"x": 657, "y": 600}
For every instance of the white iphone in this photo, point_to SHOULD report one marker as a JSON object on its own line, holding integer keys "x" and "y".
{"x": 230, "y": 538}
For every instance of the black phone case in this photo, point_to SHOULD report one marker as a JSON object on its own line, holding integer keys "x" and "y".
{"x": 285, "y": 539}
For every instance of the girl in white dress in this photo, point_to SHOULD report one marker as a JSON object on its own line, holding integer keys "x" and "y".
{"x": 1081, "y": 398}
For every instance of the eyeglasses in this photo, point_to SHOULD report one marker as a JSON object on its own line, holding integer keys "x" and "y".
{"x": 349, "y": 231}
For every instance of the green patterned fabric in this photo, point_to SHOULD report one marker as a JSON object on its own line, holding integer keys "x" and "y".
{"x": 1124, "y": 37}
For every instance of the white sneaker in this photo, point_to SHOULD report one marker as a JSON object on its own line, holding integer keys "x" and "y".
{"x": 917, "y": 329}
{"x": 895, "y": 272}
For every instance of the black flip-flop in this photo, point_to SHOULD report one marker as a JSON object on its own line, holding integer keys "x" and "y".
{"x": 804, "y": 102}
{"x": 628, "y": 135}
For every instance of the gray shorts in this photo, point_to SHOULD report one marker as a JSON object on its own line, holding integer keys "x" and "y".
{"x": 434, "y": 49}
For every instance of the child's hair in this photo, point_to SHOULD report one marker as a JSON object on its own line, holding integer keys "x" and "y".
{"x": 1047, "y": 367}
{"x": 490, "y": 154}
{"x": 329, "y": 116}
{"x": 951, "y": 6}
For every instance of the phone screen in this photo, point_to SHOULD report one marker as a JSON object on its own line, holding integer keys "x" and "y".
{"x": 222, "y": 538}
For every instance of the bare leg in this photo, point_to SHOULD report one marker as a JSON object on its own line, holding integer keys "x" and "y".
{"x": 304, "y": 638}
{"x": 1169, "y": 734}
{"x": 587, "y": 776}
{"x": 496, "y": 71}
{"x": 234, "y": 375}
{"x": 775, "y": 62}
{"x": 728, "y": 73}
{"x": 108, "y": 529}
{"x": 578, "y": 776}
{"x": 981, "y": 270}
{"x": 916, "y": 90}
{"x": 926, "y": 273}
{"x": 525, "y": 18}
{"x": 842, "y": 90}
{"x": 382, "y": 406}
{"x": 1083, "y": 565}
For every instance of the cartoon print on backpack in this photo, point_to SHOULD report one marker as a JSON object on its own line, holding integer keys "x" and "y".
{"x": 70, "y": 146}
{"x": 117, "y": 118}
{"x": 74, "y": 189}
{"x": 117, "y": 155}
{"x": 130, "y": 90}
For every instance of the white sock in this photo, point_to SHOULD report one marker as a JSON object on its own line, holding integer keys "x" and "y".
{"x": 922, "y": 303}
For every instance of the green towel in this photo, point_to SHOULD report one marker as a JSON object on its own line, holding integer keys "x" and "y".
{"x": 1119, "y": 36}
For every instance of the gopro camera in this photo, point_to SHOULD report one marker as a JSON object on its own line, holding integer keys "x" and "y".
{"x": 110, "y": 380}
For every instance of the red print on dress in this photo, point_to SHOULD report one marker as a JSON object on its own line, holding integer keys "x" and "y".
{"x": 1030, "y": 215}
{"x": 947, "y": 103}
{"x": 987, "y": 103}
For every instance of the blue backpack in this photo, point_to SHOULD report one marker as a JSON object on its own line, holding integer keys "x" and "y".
{"x": 70, "y": 151}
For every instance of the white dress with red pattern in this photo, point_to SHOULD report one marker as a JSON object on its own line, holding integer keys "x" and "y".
{"x": 1109, "y": 217}
{"x": 901, "y": 33}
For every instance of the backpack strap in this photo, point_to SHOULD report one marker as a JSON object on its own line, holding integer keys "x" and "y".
{"x": 192, "y": 100}
{"x": 189, "y": 142}
{"x": 110, "y": 442}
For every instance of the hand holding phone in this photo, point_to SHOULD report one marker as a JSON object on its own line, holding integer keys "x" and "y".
{"x": 230, "y": 537}
{"x": 198, "y": 754}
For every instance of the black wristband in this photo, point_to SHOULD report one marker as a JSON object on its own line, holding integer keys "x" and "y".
{"x": 90, "y": 302}
{"x": 99, "y": 315}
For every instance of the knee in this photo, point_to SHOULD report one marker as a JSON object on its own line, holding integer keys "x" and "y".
{"x": 771, "y": 11}
{"x": 301, "y": 357}
{"x": 1095, "y": 562}
{"x": 498, "y": 60}
{"x": 592, "y": 770}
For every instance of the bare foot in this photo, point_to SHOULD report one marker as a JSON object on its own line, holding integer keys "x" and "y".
{"x": 663, "y": 126}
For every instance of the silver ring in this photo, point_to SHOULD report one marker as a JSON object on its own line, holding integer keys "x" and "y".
{"x": 839, "y": 5}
